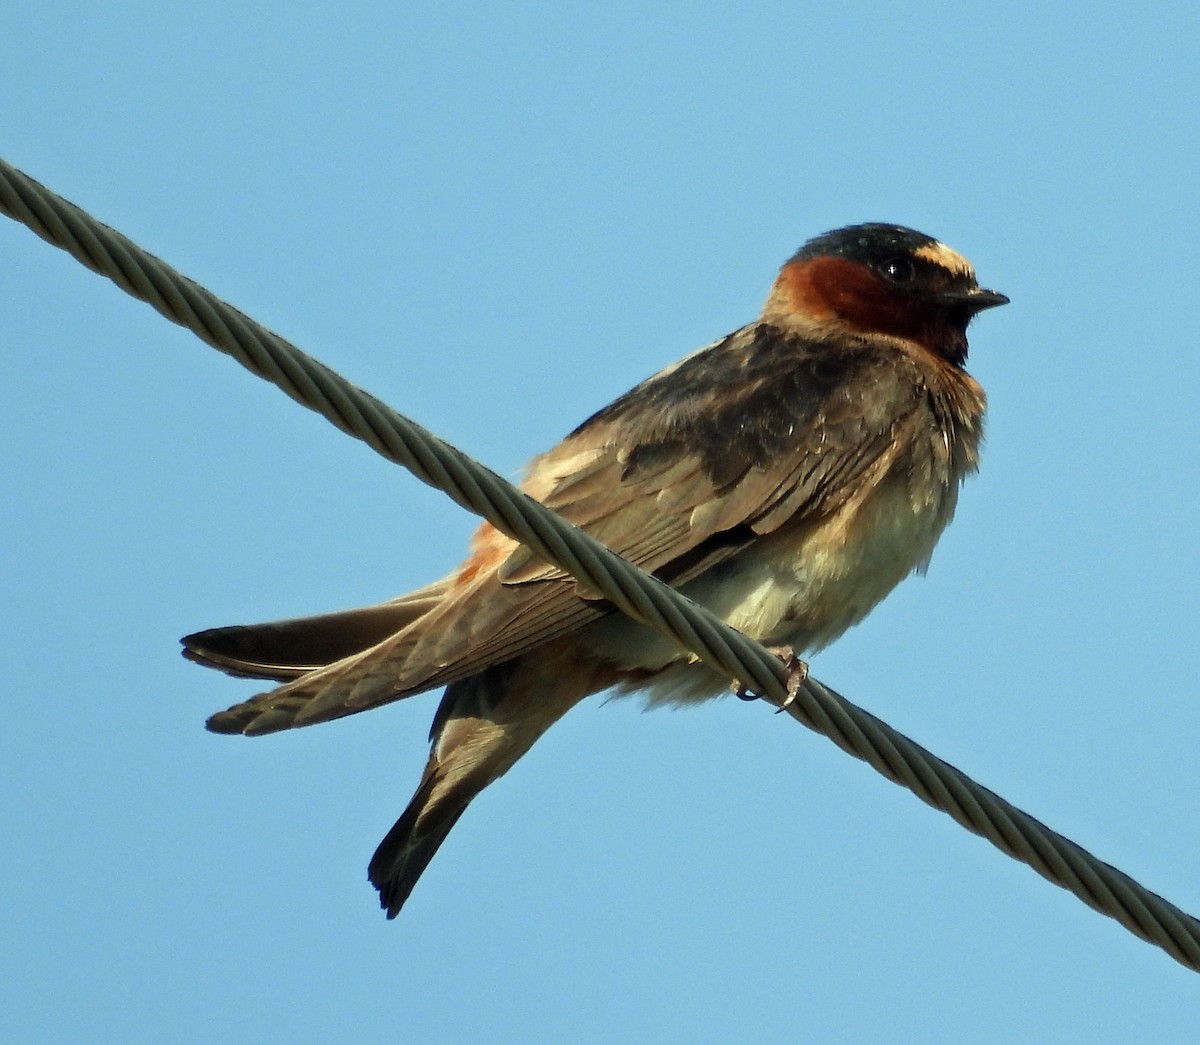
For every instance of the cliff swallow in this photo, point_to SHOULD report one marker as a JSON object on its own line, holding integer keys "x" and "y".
{"x": 787, "y": 476}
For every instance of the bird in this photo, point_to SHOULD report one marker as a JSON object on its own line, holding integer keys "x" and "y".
{"x": 787, "y": 476}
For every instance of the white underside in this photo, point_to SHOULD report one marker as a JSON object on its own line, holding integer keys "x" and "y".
{"x": 792, "y": 588}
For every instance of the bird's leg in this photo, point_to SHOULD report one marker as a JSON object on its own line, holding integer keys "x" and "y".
{"x": 797, "y": 673}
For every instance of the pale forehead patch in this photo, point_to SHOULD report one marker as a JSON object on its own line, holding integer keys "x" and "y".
{"x": 948, "y": 259}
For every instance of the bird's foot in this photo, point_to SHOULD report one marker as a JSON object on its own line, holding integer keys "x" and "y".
{"x": 797, "y": 672}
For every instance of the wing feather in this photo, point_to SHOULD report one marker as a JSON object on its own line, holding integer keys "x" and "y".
{"x": 682, "y": 472}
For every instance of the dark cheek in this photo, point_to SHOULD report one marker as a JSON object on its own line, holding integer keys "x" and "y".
{"x": 875, "y": 313}
{"x": 861, "y": 300}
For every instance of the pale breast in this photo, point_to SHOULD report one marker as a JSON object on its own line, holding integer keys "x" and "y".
{"x": 805, "y": 584}
{"x": 805, "y": 587}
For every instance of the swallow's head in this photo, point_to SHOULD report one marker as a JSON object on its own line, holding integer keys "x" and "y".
{"x": 881, "y": 279}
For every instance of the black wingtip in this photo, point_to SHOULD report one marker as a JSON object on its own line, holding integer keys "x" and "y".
{"x": 232, "y": 650}
{"x": 225, "y": 723}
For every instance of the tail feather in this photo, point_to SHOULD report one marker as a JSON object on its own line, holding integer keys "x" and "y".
{"x": 484, "y": 724}
{"x": 408, "y": 847}
{"x": 472, "y": 745}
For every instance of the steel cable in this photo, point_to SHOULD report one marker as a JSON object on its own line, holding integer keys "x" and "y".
{"x": 633, "y": 592}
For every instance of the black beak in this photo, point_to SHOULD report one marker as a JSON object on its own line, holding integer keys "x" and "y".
{"x": 973, "y": 300}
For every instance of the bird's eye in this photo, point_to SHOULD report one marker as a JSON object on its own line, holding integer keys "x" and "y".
{"x": 898, "y": 270}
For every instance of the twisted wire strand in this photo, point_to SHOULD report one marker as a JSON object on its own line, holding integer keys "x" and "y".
{"x": 437, "y": 463}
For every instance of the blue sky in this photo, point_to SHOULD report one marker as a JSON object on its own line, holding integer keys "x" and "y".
{"x": 497, "y": 218}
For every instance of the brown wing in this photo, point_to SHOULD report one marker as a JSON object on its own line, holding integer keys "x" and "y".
{"x": 287, "y": 649}
{"x": 678, "y": 474}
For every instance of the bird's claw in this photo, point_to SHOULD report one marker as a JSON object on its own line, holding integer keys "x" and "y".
{"x": 797, "y": 672}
